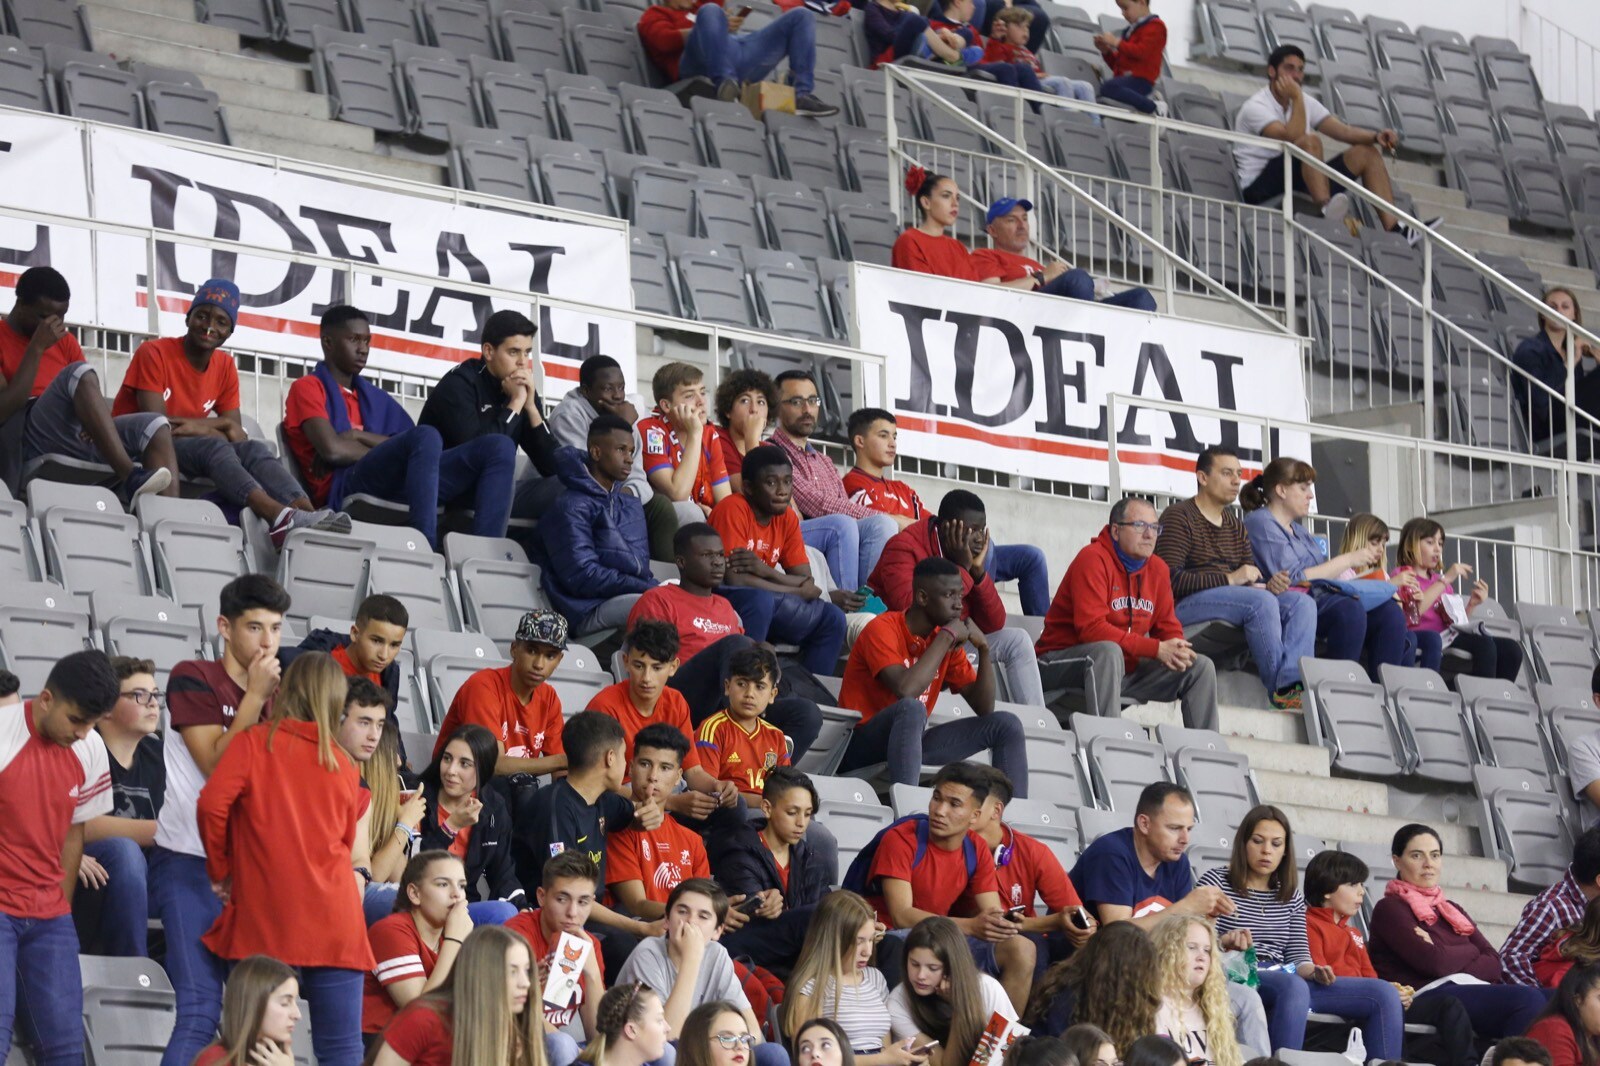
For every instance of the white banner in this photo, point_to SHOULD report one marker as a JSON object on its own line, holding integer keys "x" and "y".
{"x": 41, "y": 169}
{"x": 142, "y": 181}
{"x": 1016, "y": 382}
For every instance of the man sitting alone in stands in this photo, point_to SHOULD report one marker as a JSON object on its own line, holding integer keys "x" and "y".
{"x": 195, "y": 384}
{"x": 43, "y": 374}
{"x": 351, "y": 437}
{"x": 697, "y": 38}
{"x": 1281, "y": 111}
{"x": 1008, "y": 262}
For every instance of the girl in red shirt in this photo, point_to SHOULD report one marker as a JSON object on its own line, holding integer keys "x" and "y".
{"x": 416, "y": 946}
{"x": 924, "y": 247}
{"x": 260, "y": 1008}
{"x": 281, "y": 810}
{"x": 630, "y": 1028}
{"x": 1569, "y": 1028}
{"x": 488, "y": 1013}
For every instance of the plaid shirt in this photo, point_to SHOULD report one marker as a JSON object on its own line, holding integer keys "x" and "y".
{"x": 818, "y": 488}
{"x": 1556, "y": 908}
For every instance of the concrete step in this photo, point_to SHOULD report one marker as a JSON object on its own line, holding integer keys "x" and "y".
{"x": 1349, "y": 825}
{"x": 1275, "y": 755}
{"x": 299, "y": 129}
{"x": 1279, "y": 726}
{"x": 1495, "y": 934}
{"x": 1461, "y": 216}
{"x": 1490, "y": 908}
{"x": 341, "y": 157}
{"x": 1220, "y": 80}
{"x": 1414, "y": 175}
{"x": 205, "y": 62}
{"x": 1580, "y": 279}
{"x": 149, "y": 24}
{"x": 1437, "y": 195}
{"x": 182, "y": 10}
{"x": 1329, "y": 793}
{"x": 292, "y": 102}
{"x": 1481, "y": 241}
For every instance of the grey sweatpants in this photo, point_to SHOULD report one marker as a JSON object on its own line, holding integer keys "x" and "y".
{"x": 236, "y": 469}
{"x": 53, "y": 428}
{"x": 1098, "y": 667}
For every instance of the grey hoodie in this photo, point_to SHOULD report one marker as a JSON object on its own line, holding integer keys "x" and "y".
{"x": 569, "y": 424}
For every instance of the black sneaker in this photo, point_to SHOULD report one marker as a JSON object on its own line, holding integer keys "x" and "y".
{"x": 811, "y": 107}
{"x": 1413, "y": 235}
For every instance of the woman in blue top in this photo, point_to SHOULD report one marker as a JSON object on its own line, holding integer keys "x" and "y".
{"x": 1544, "y": 357}
{"x": 1276, "y": 502}
{"x": 1262, "y": 882}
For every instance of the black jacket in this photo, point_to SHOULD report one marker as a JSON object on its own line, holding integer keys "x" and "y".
{"x": 488, "y": 846}
{"x": 741, "y": 863}
{"x": 327, "y": 640}
{"x": 468, "y": 403}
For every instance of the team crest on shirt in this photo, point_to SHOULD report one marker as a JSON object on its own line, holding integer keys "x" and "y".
{"x": 538, "y": 741}
{"x": 1016, "y": 895}
{"x": 683, "y": 859}
{"x": 771, "y": 761}
{"x": 655, "y": 441}
{"x": 644, "y": 848}
{"x": 557, "y": 848}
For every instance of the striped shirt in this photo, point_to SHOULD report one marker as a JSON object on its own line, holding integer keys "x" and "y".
{"x": 1199, "y": 554}
{"x": 400, "y": 955}
{"x": 1278, "y": 930}
{"x": 863, "y": 1011}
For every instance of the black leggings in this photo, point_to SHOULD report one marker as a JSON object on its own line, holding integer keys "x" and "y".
{"x": 1491, "y": 656}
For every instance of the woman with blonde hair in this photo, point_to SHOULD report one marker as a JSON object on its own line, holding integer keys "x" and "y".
{"x": 630, "y": 1028}
{"x": 944, "y": 998}
{"x": 487, "y": 1013}
{"x": 1543, "y": 357}
{"x": 278, "y": 821}
{"x": 1367, "y": 530}
{"x": 1422, "y": 565}
{"x": 260, "y": 1008}
{"x": 1276, "y": 504}
{"x": 1194, "y": 1007}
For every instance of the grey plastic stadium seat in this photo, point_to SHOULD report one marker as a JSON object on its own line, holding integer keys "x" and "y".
{"x": 586, "y": 111}
{"x": 1520, "y": 125}
{"x": 90, "y": 543}
{"x": 462, "y": 27}
{"x": 731, "y": 138}
{"x": 1414, "y": 114}
{"x": 1467, "y": 118}
{"x": 1569, "y": 720}
{"x": 571, "y": 176}
{"x": 497, "y": 165}
{"x": 788, "y": 300}
{"x": 148, "y": 627}
{"x": 1523, "y": 825}
{"x": 438, "y": 89}
{"x": 129, "y": 1010}
{"x": 1054, "y": 769}
{"x": 1342, "y": 330}
{"x": 446, "y": 660}
{"x": 1460, "y": 286}
{"x": 1340, "y": 35}
{"x": 867, "y": 102}
{"x": 610, "y": 53}
{"x": 850, "y": 810}
{"x": 359, "y": 77}
{"x": 1431, "y": 718}
{"x": 417, "y": 579}
{"x": 1508, "y": 69}
{"x": 1455, "y": 68}
{"x": 39, "y": 623}
{"x": 47, "y": 22}
{"x": 864, "y": 234}
{"x": 1476, "y": 170}
{"x": 865, "y": 159}
{"x": 387, "y": 20}
{"x": 943, "y": 128}
{"x": 1094, "y": 823}
{"x": 1433, "y": 34}
{"x": 1120, "y": 768}
{"x": 827, "y": 751}
{"x": 498, "y": 585}
{"x": 19, "y": 556}
{"x": 1346, "y": 713}
{"x": 1356, "y": 99}
{"x": 248, "y": 18}
{"x": 659, "y": 126}
{"x": 323, "y": 573}
{"x": 794, "y": 217}
{"x": 510, "y": 99}
{"x": 804, "y": 152}
{"x": 190, "y": 110}
{"x": 22, "y": 77}
{"x": 1400, "y": 53}
{"x": 93, "y": 87}
{"x": 1561, "y": 647}
{"x": 1536, "y": 184}
{"x": 1292, "y": 27}
{"x": 296, "y": 18}
{"x": 909, "y": 799}
{"x": 660, "y": 198}
{"x": 1054, "y": 826}
{"x": 193, "y": 549}
{"x": 1220, "y": 779}
{"x": 1196, "y": 104}
{"x": 533, "y": 40}
{"x": 710, "y": 282}
{"x": 1575, "y": 132}
{"x": 1507, "y": 724}
{"x": 652, "y": 281}
{"x": 1229, "y": 30}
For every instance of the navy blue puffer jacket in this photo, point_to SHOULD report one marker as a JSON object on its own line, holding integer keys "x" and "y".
{"x": 595, "y": 542}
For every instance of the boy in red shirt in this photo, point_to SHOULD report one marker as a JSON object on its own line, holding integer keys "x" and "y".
{"x": 907, "y": 890}
{"x": 195, "y": 384}
{"x": 698, "y": 39}
{"x": 901, "y": 661}
{"x": 371, "y": 649}
{"x": 1134, "y": 56}
{"x": 55, "y": 775}
{"x": 738, "y": 744}
{"x": 874, "y": 437}
{"x": 566, "y": 898}
{"x": 644, "y": 866}
{"x": 682, "y": 448}
{"x": 515, "y": 703}
{"x": 45, "y": 380}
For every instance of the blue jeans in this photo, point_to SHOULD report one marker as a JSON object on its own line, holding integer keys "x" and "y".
{"x": 712, "y": 52}
{"x": 1497, "y": 1010}
{"x": 1346, "y": 630}
{"x": 1024, "y": 564}
{"x": 985, "y": 11}
{"x": 1127, "y": 89}
{"x": 900, "y": 736}
{"x": 816, "y": 626}
{"x": 120, "y": 911}
{"x": 851, "y": 546}
{"x": 1370, "y": 1003}
{"x": 415, "y": 468}
{"x": 181, "y": 892}
{"x": 39, "y": 980}
{"x": 378, "y": 903}
{"x": 1076, "y": 284}
{"x": 1280, "y": 629}
{"x": 334, "y": 997}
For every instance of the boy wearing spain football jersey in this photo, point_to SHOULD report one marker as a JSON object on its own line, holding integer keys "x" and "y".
{"x": 738, "y": 744}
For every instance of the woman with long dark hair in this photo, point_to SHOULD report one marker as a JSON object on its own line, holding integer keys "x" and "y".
{"x": 944, "y": 997}
{"x": 416, "y": 946}
{"x": 471, "y": 822}
{"x": 1544, "y": 357}
{"x": 823, "y": 1042}
{"x": 1569, "y": 1028}
{"x": 1113, "y": 983}
{"x": 716, "y": 1034}
{"x": 260, "y": 1010}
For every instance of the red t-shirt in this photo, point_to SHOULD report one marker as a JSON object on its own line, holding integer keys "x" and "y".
{"x": 1007, "y": 266}
{"x": 660, "y": 860}
{"x": 401, "y": 954}
{"x": 663, "y": 452}
{"x": 341, "y": 656}
{"x": 211, "y": 1056}
{"x": 1031, "y": 870}
{"x": 308, "y": 399}
{"x": 420, "y": 1035}
{"x": 783, "y": 867}
{"x": 729, "y": 753}
{"x": 529, "y": 730}
{"x": 888, "y": 641}
{"x": 527, "y": 923}
{"x": 671, "y": 709}
{"x": 700, "y": 620}
{"x": 945, "y": 256}
{"x": 939, "y": 879}
{"x": 55, "y": 359}
{"x": 882, "y": 495}
{"x": 778, "y": 543}
{"x": 160, "y": 366}
{"x": 732, "y": 457}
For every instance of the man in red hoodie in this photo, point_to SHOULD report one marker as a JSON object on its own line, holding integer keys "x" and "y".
{"x": 960, "y": 533}
{"x": 1112, "y": 626}
{"x": 697, "y": 38}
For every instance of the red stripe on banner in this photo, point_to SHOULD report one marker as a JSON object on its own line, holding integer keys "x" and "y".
{"x": 297, "y": 328}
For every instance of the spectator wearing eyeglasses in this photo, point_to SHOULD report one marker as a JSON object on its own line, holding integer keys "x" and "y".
{"x": 112, "y": 905}
{"x": 1112, "y": 628}
{"x": 716, "y": 1034}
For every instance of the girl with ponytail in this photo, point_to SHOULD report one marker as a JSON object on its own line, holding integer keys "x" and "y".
{"x": 630, "y": 1028}
{"x": 924, "y": 246}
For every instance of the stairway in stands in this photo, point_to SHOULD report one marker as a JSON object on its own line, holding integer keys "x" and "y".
{"x": 269, "y": 103}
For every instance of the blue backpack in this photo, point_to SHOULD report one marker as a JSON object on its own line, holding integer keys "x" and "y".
{"x": 856, "y": 878}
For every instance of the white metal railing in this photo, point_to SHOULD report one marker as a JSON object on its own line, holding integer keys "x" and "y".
{"x": 1566, "y": 62}
{"x": 1419, "y": 355}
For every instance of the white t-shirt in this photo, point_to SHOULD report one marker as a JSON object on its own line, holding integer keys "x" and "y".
{"x": 1186, "y": 1025}
{"x": 995, "y": 1001}
{"x": 1583, "y": 764}
{"x": 862, "y": 1012}
{"x": 1255, "y": 115}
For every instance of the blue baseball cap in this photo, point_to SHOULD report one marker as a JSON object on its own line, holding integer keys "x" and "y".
{"x": 1004, "y": 206}
{"x": 219, "y": 293}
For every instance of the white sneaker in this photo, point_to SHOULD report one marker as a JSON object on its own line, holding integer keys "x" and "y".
{"x": 1337, "y": 207}
{"x": 1161, "y": 109}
